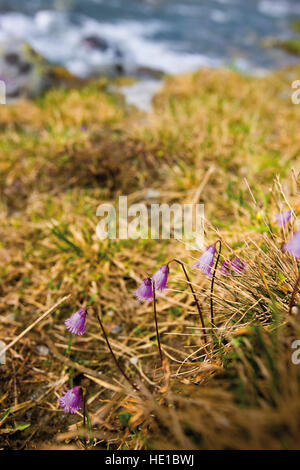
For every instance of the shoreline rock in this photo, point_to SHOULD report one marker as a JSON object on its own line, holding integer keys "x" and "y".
{"x": 26, "y": 74}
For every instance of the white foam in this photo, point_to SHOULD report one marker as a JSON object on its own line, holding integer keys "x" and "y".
{"x": 140, "y": 94}
{"x": 219, "y": 16}
{"x": 279, "y": 8}
{"x": 55, "y": 36}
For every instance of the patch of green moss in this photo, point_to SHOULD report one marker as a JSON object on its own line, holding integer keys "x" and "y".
{"x": 295, "y": 25}
{"x": 291, "y": 45}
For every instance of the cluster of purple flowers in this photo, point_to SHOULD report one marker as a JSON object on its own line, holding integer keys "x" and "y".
{"x": 71, "y": 400}
{"x": 206, "y": 261}
{"x": 160, "y": 279}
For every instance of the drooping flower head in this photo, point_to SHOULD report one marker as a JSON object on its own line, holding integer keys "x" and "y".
{"x": 206, "y": 261}
{"x": 160, "y": 278}
{"x": 293, "y": 246}
{"x": 145, "y": 291}
{"x": 283, "y": 218}
{"x": 76, "y": 323}
{"x": 238, "y": 265}
{"x": 71, "y": 400}
{"x": 224, "y": 268}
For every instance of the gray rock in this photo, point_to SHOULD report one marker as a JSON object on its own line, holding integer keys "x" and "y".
{"x": 26, "y": 73}
{"x": 117, "y": 329}
{"x": 2, "y": 357}
{"x": 21, "y": 70}
{"x": 42, "y": 350}
{"x": 152, "y": 194}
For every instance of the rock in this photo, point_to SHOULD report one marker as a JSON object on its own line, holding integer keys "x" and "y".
{"x": 42, "y": 350}
{"x": 19, "y": 71}
{"x": 108, "y": 58}
{"x": 2, "y": 357}
{"x": 152, "y": 194}
{"x": 148, "y": 72}
{"x": 27, "y": 74}
{"x": 134, "y": 360}
{"x": 95, "y": 42}
{"x": 117, "y": 329}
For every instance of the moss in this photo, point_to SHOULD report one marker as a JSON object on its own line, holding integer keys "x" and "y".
{"x": 290, "y": 45}
{"x": 295, "y": 25}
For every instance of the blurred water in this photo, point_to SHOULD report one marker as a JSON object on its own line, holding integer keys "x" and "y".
{"x": 170, "y": 35}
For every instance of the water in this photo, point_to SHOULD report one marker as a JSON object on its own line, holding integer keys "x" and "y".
{"x": 169, "y": 35}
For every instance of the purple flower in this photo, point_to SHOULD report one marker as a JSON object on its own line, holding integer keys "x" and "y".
{"x": 160, "y": 278}
{"x": 206, "y": 261}
{"x": 145, "y": 291}
{"x": 224, "y": 268}
{"x": 76, "y": 323}
{"x": 238, "y": 265}
{"x": 293, "y": 246}
{"x": 71, "y": 400}
{"x": 283, "y": 218}
{"x": 83, "y": 128}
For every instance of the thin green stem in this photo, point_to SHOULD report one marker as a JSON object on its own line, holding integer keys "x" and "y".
{"x": 84, "y": 393}
{"x": 212, "y": 285}
{"x": 156, "y": 324}
{"x": 69, "y": 345}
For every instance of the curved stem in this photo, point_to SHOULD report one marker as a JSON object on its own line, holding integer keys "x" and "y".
{"x": 84, "y": 394}
{"x": 113, "y": 355}
{"x": 194, "y": 295}
{"x": 296, "y": 286}
{"x": 156, "y": 325}
{"x": 212, "y": 286}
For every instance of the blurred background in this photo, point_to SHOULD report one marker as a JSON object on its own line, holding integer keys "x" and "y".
{"x": 90, "y": 37}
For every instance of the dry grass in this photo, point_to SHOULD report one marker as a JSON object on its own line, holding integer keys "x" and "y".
{"x": 211, "y": 137}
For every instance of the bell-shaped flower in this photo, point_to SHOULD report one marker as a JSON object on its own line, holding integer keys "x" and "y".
{"x": 206, "y": 260}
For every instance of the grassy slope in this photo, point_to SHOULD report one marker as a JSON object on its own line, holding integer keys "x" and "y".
{"x": 208, "y": 132}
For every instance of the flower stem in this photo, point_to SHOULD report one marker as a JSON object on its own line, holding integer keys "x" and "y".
{"x": 113, "y": 355}
{"x": 212, "y": 286}
{"x": 69, "y": 345}
{"x": 84, "y": 393}
{"x": 194, "y": 295}
{"x": 296, "y": 286}
{"x": 156, "y": 325}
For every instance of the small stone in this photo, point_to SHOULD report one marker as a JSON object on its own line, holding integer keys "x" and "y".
{"x": 152, "y": 193}
{"x": 42, "y": 350}
{"x": 295, "y": 310}
{"x": 11, "y": 317}
{"x": 117, "y": 329}
{"x": 2, "y": 356}
{"x": 133, "y": 360}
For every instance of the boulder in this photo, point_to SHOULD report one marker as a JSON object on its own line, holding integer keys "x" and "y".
{"x": 26, "y": 73}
